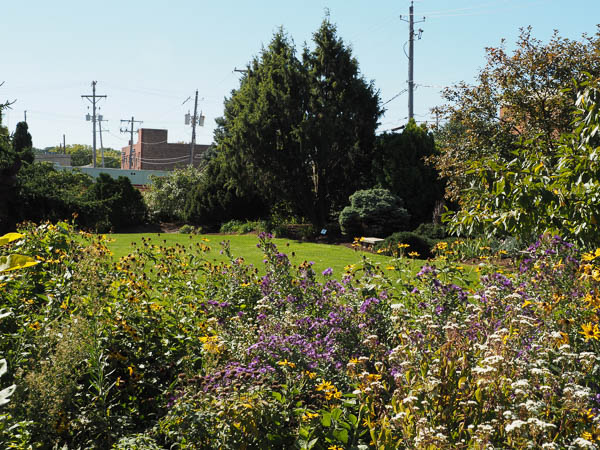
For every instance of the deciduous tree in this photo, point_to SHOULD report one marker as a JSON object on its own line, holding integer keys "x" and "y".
{"x": 516, "y": 96}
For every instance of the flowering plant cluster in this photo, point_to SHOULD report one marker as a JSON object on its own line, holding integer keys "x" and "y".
{"x": 165, "y": 349}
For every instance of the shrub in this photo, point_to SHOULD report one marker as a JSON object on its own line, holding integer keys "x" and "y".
{"x": 120, "y": 205}
{"x": 166, "y": 197}
{"x": 242, "y": 227}
{"x": 373, "y": 212}
{"x": 190, "y": 229}
{"x": 300, "y": 231}
{"x": 431, "y": 231}
{"x": 416, "y": 243}
{"x": 216, "y": 199}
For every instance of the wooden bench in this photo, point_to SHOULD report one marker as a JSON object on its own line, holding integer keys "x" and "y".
{"x": 369, "y": 242}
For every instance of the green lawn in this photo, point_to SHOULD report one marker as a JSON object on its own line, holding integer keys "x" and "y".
{"x": 323, "y": 255}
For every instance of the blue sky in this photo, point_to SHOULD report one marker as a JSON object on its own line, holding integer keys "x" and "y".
{"x": 149, "y": 56}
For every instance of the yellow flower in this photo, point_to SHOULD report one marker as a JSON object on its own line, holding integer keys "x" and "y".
{"x": 403, "y": 245}
{"x": 414, "y": 254}
{"x": 441, "y": 246}
{"x": 325, "y": 386}
{"x": 590, "y": 331}
{"x": 285, "y": 362}
{"x": 309, "y": 415}
{"x": 35, "y": 325}
{"x": 310, "y": 374}
{"x": 390, "y": 268}
{"x": 334, "y": 447}
{"x": 592, "y": 301}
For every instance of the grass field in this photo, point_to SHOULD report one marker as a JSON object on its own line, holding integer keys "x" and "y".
{"x": 323, "y": 255}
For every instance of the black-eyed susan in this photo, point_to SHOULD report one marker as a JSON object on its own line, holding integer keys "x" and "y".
{"x": 590, "y": 331}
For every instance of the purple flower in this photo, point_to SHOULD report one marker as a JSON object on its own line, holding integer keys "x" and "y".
{"x": 327, "y": 271}
{"x": 365, "y": 305}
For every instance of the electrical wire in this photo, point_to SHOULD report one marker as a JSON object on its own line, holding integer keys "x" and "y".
{"x": 164, "y": 159}
{"x": 396, "y": 96}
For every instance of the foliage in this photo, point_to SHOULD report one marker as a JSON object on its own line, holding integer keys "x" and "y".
{"x": 517, "y": 96}
{"x": 163, "y": 348}
{"x": 81, "y": 155}
{"x": 166, "y": 198}
{"x": 432, "y": 231}
{"x": 400, "y": 167}
{"x": 373, "y": 212}
{"x": 239, "y": 227}
{"x": 190, "y": 229}
{"x": 120, "y": 205}
{"x": 45, "y": 193}
{"x": 405, "y": 242}
{"x": 301, "y": 131}
{"x": 10, "y": 164}
{"x": 561, "y": 184}
{"x": 49, "y": 194}
{"x": 219, "y": 198}
{"x": 22, "y": 144}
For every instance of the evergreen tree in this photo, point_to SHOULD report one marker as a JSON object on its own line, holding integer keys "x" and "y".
{"x": 22, "y": 143}
{"x": 400, "y": 167}
{"x": 301, "y": 131}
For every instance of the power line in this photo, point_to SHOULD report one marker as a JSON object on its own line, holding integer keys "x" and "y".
{"x": 395, "y": 96}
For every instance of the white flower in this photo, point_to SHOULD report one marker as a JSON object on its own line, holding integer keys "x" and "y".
{"x": 539, "y": 424}
{"x": 522, "y": 383}
{"x": 515, "y": 425}
{"x": 483, "y": 370}
{"x": 583, "y": 443}
{"x": 494, "y": 359}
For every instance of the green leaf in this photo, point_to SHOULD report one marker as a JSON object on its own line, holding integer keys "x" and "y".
{"x": 312, "y": 443}
{"x": 326, "y": 419}
{"x": 341, "y": 435}
{"x": 15, "y": 262}
{"x": 478, "y": 395}
{"x": 9, "y": 237}
{"x": 336, "y": 413}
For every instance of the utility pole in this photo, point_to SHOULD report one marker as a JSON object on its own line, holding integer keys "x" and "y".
{"x": 100, "y": 120}
{"x": 64, "y": 145}
{"x": 124, "y": 130}
{"x": 411, "y": 59}
{"x": 195, "y": 119}
{"x": 194, "y": 129}
{"x": 94, "y": 99}
{"x": 25, "y": 112}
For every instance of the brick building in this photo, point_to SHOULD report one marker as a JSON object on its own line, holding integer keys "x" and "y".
{"x": 153, "y": 152}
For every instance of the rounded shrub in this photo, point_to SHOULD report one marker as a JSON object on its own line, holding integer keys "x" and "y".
{"x": 373, "y": 212}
